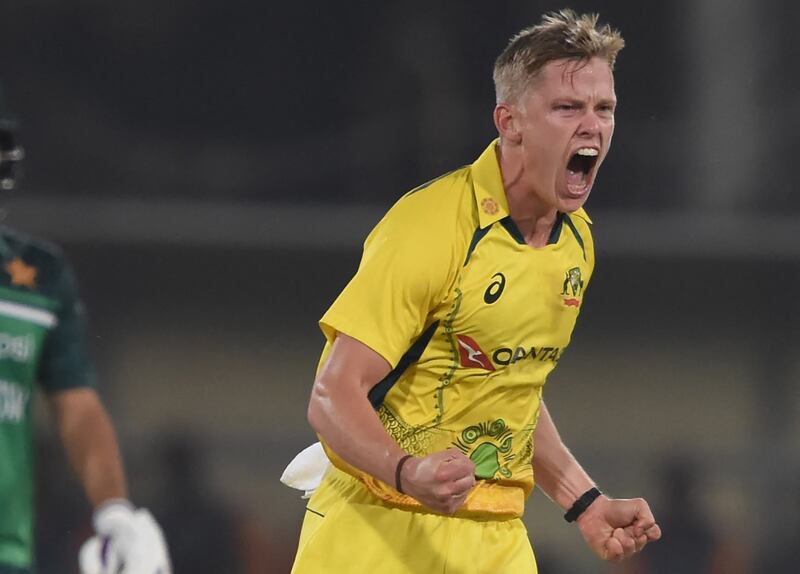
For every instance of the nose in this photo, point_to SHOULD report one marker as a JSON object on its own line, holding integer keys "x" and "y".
{"x": 590, "y": 124}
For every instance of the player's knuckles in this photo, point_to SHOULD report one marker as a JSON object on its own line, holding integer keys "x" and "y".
{"x": 611, "y": 550}
{"x": 442, "y": 497}
{"x": 458, "y": 461}
{"x": 628, "y": 545}
{"x": 443, "y": 493}
{"x": 467, "y": 470}
{"x": 452, "y": 491}
{"x": 464, "y": 463}
{"x": 631, "y": 532}
{"x": 446, "y": 457}
{"x": 451, "y": 472}
{"x": 653, "y": 533}
{"x": 443, "y": 474}
{"x": 625, "y": 540}
{"x": 624, "y": 535}
{"x": 644, "y": 513}
{"x": 463, "y": 486}
{"x": 443, "y": 470}
{"x": 454, "y": 454}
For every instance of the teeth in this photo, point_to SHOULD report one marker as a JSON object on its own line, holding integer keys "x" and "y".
{"x": 587, "y": 151}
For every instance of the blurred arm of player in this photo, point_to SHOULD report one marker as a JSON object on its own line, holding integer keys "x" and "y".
{"x": 126, "y": 537}
{"x": 613, "y": 528}
{"x": 340, "y": 412}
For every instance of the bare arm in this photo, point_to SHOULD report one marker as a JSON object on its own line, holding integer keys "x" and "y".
{"x": 342, "y": 415}
{"x": 124, "y": 535}
{"x": 558, "y": 473}
{"x": 613, "y": 528}
{"x": 90, "y": 443}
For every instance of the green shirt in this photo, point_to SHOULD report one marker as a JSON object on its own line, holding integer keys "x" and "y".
{"x": 42, "y": 340}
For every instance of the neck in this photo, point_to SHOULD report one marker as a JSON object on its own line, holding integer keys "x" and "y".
{"x": 534, "y": 218}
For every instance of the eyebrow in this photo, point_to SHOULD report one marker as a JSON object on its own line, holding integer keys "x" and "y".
{"x": 607, "y": 102}
{"x": 583, "y": 102}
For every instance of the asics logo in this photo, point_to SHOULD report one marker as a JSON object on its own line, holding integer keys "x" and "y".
{"x": 495, "y": 289}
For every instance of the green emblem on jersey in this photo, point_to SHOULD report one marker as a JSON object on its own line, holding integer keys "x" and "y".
{"x": 573, "y": 282}
{"x": 488, "y": 445}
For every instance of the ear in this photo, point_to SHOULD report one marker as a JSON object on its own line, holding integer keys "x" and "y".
{"x": 506, "y": 121}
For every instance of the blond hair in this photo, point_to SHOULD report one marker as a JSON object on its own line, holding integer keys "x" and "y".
{"x": 560, "y": 35}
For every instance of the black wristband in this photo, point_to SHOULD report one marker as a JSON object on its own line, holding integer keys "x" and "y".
{"x": 582, "y": 504}
{"x": 400, "y": 463}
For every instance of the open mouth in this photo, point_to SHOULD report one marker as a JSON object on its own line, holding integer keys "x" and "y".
{"x": 579, "y": 170}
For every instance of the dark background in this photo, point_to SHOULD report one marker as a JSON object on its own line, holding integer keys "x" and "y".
{"x": 212, "y": 168}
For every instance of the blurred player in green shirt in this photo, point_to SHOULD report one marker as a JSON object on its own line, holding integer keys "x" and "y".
{"x": 43, "y": 344}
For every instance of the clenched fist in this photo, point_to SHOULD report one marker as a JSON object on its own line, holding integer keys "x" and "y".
{"x": 618, "y": 528}
{"x": 441, "y": 481}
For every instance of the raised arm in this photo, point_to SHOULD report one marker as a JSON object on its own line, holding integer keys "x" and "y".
{"x": 613, "y": 528}
{"x": 340, "y": 412}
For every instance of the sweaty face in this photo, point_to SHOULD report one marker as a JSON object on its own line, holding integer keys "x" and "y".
{"x": 566, "y": 122}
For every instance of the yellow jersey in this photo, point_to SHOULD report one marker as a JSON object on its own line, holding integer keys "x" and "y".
{"x": 472, "y": 320}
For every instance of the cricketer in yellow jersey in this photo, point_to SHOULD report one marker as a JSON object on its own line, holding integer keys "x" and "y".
{"x": 428, "y": 397}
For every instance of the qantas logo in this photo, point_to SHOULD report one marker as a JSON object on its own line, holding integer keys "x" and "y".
{"x": 472, "y": 355}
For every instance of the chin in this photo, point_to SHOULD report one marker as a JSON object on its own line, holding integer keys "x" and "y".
{"x": 570, "y": 204}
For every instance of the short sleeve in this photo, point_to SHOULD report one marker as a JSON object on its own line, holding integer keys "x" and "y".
{"x": 65, "y": 361}
{"x": 405, "y": 272}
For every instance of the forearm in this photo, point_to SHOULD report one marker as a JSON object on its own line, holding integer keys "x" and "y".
{"x": 349, "y": 425}
{"x": 90, "y": 444}
{"x": 557, "y": 472}
{"x": 97, "y": 461}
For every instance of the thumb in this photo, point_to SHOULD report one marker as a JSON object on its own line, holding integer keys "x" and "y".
{"x": 454, "y": 465}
